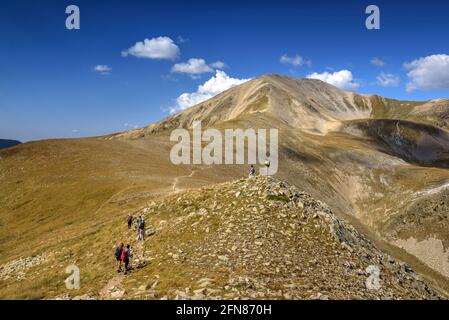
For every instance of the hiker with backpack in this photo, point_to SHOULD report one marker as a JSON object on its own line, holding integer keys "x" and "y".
{"x": 141, "y": 231}
{"x": 130, "y": 221}
{"x": 118, "y": 256}
{"x": 125, "y": 257}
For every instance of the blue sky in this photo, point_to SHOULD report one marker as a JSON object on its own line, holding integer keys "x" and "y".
{"x": 50, "y": 89}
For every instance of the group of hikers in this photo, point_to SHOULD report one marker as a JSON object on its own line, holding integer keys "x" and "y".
{"x": 123, "y": 254}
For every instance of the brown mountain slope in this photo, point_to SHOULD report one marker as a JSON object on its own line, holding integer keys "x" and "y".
{"x": 342, "y": 148}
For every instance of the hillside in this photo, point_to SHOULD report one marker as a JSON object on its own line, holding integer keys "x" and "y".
{"x": 378, "y": 163}
{"x": 249, "y": 239}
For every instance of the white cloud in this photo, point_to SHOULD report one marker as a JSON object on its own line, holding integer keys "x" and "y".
{"x": 218, "y": 65}
{"x": 156, "y": 48}
{"x": 193, "y": 66}
{"x": 342, "y": 79}
{"x": 377, "y": 62}
{"x": 296, "y": 61}
{"x": 103, "y": 69}
{"x": 197, "y": 66}
{"x": 182, "y": 39}
{"x": 388, "y": 80}
{"x": 428, "y": 73}
{"x": 215, "y": 85}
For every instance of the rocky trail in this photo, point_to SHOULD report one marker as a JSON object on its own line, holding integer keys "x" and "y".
{"x": 177, "y": 179}
{"x": 114, "y": 289}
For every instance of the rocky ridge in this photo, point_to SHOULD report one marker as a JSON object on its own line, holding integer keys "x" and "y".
{"x": 260, "y": 238}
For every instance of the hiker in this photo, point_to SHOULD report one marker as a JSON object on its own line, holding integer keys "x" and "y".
{"x": 131, "y": 254}
{"x": 267, "y": 166}
{"x": 125, "y": 257}
{"x": 130, "y": 221}
{"x": 118, "y": 256}
{"x": 138, "y": 221}
{"x": 141, "y": 230}
{"x": 252, "y": 171}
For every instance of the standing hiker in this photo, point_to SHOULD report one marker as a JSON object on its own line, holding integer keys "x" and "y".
{"x": 118, "y": 256}
{"x": 138, "y": 221}
{"x": 131, "y": 253}
{"x": 130, "y": 221}
{"x": 125, "y": 257}
{"x": 252, "y": 171}
{"x": 142, "y": 230}
{"x": 267, "y": 166}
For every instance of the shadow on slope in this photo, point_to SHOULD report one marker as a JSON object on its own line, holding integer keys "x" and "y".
{"x": 415, "y": 143}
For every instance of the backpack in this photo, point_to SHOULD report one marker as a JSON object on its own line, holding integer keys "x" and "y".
{"x": 142, "y": 225}
{"x": 125, "y": 255}
{"x": 118, "y": 252}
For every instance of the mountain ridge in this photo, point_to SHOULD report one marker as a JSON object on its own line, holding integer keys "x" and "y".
{"x": 312, "y": 105}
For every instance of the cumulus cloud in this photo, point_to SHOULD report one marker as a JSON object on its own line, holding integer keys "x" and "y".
{"x": 388, "y": 80}
{"x": 341, "y": 79}
{"x": 220, "y": 65}
{"x": 103, "y": 69}
{"x": 196, "y": 66}
{"x": 155, "y": 48}
{"x": 377, "y": 62}
{"x": 215, "y": 85}
{"x": 428, "y": 73}
{"x": 296, "y": 61}
{"x": 192, "y": 66}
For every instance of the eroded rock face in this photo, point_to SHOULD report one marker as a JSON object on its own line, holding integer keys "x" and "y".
{"x": 413, "y": 142}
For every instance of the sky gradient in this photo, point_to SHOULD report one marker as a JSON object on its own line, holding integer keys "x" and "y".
{"x": 57, "y": 83}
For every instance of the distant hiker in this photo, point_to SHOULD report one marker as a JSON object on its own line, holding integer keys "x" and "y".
{"x": 252, "y": 171}
{"x": 138, "y": 221}
{"x": 141, "y": 230}
{"x": 118, "y": 256}
{"x": 267, "y": 166}
{"x": 130, "y": 221}
{"x": 131, "y": 254}
{"x": 125, "y": 257}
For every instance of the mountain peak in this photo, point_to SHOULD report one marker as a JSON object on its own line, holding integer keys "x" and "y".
{"x": 309, "y": 104}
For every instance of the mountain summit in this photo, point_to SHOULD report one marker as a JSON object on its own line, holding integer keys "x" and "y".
{"x": 307, "y": 104}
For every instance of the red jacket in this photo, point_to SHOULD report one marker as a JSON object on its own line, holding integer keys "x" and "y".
{"x": 125, "y": 254}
